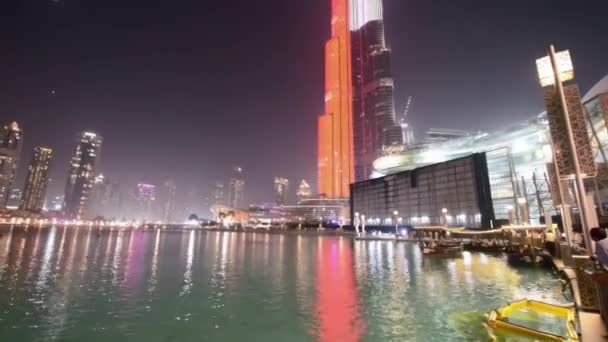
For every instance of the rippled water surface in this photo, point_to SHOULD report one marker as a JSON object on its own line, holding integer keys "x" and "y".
{"x": 67, "y": 284}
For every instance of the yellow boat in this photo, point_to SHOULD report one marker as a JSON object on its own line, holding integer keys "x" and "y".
{"x": 526, "y": 318}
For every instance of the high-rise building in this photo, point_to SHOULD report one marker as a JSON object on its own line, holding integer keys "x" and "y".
{"x": 106, "y": 198}
{"x": 375, "y": 125}
{"x": 407, "y": 132}
{"x": 218, "y": 194}
{"x": 37, "y": 180}
{"x": 81, "y": 174}
{"x": 304, "y": 191}
{"x": 237, "y": 189}
{"x": 281, "y": 187}
{"x": 145, "y": 198}
{"x": 166, "y": 201}
{"x": 335, "y": 126}
{"x": 14, "y": 199}
{"x": 56, "y": 204}
{"x": 10, "y": 149}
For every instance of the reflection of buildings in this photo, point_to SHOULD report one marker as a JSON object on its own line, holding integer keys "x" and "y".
{"x": 10, "y": 148}
{"x": 36, "y": 180}
{"x": 281, "y": 187}
{"x": 304, "y": 191}
{"x": 337, "y": 307}
{"x": 516, "y": 155}
{"x": 145, "y": 197}
{"x": 81, "y": 174}
{"x": 237, "y": 188}
{"x": 374, "y": 121}
{"x": 335, "y": 126}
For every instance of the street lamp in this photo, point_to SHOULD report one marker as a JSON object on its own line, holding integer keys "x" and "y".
{"x": 396, "y": 213}
{"x": 445, "y": 215}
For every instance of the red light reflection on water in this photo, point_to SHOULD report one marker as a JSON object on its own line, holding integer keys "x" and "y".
{"x": 337, "y": 307}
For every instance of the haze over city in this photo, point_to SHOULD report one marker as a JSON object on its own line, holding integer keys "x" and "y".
{"x": 187, "y": 90}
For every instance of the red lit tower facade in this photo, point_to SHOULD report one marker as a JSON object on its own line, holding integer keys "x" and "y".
{"x": 335, "y": 154}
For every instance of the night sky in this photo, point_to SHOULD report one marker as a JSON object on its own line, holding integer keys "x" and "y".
{"x": 186, "y": 90}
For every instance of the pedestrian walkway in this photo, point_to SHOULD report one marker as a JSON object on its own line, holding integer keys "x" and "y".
{"x": 592, "y": 326}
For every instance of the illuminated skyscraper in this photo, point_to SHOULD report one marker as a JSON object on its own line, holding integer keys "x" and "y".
{"x": 335, "y": 126}
{"x": 237, "y": 189}
{"x": 166, "y": 201}
{"x": 106, "y": 199}
{"x": 304, "y": 191}
{"x": 281, "y": 187}
{"x": 145, "y": 197}
{"x": 10, "y": 149}
{"x": 375, "y": 126}
{"x": 37, "y": 180}
{"x": 81, "y": 174}
{"x": 218, "y": 194}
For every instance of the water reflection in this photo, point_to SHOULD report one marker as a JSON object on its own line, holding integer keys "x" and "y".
{"x": 188, "y": 273}
{"x": 337, "y": 307}
{"x": 74, "y": 284}
{"x": 46, "y": 260}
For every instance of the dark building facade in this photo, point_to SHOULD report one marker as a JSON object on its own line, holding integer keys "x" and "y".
{"x": 455, "y": 193}
{"x": 10, "y": 149}
{"x": 81, "y": 175}
{"x": 375, "y": 126}
{"x": 37, "y": 180}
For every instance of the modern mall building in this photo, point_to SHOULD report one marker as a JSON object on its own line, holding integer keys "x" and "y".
{"x": 517, "y": 158}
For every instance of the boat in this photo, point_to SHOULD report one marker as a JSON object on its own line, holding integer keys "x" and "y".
{"x": 527, "y": 256}
{"x": 535, "y": 320}
{"x": 445, "y": 248}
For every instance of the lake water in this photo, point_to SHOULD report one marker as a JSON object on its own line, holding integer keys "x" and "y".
{"x": 86, "y": 284}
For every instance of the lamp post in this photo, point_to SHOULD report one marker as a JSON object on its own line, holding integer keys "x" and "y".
{"x": 445, "y": 216}
{"x": 395, "y": 214}
{"x": 357, "y": 221}
{"x": 299, "y": 222}
{"x": 320, "y": 222}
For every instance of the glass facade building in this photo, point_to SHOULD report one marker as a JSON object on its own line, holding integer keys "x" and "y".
{"x": 81, "y": 175}
{"x": 455, "y": 192}
{"x": 517, "y": 158}
{"x": 36, "y": 180}
{"x": 375, "y": 126}
{"x": 10, "y": 150}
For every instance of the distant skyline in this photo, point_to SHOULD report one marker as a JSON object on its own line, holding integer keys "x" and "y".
{"x": 187, "y": 90}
